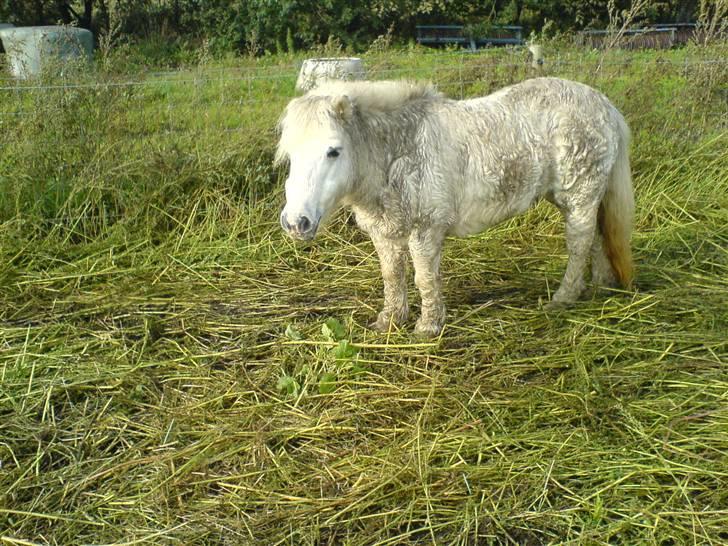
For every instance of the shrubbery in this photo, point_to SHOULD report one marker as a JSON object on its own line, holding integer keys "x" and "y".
{"x": 257, "y": 26}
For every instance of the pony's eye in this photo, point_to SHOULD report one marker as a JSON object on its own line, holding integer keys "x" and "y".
{"x": 333, "y": 152}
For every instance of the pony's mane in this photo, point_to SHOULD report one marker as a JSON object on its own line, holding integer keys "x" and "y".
{"x": 304, "y": 116}
{"x": 380, "y": 96}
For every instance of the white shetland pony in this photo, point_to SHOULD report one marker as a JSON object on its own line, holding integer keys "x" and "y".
{"x": 416, "y": 167}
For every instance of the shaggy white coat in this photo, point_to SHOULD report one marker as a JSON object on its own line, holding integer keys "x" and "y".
{"x": 416, "y": 167}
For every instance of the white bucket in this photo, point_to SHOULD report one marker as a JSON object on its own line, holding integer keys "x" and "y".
{"x": 338, "y": 68}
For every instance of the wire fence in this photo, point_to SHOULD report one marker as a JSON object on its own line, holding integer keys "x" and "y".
{"x": 210, "y": 91}
{"x": 246, "y": 86}
{"x": 286, "y": 73}
{"x": 220, "y": 103}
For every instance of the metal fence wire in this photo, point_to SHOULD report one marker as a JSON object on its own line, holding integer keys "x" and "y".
{"x": 228, "y": 102}
{"x": 205, "y": 90}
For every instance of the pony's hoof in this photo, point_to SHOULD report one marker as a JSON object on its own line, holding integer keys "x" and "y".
{"x": 385, "y": 322}
{"x": 379, "y": 326}
{"x": 428, "y": 329}
{"x": 556, "y": 305}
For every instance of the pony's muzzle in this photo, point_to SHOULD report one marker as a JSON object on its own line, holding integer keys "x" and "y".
{"x": 302, "y": 227}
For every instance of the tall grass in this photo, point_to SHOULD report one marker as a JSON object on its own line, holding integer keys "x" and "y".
{"x": 170, "y": 372}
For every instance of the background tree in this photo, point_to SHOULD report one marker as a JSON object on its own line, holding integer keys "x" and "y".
{"x": 90, "y": 14}
{"x": 259, "y": 25}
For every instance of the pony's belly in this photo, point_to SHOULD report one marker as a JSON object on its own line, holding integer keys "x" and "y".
{"x": 476, "y": 215}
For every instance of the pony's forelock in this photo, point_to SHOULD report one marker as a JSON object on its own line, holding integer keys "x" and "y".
{"x": 303, "y": 119}
{"x": 331, "y": 104}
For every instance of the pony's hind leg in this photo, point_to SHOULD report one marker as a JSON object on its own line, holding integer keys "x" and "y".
{"x": 602, "y": 273}
{"x": 581, "y": 224}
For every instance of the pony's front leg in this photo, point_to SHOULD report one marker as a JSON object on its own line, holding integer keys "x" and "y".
{"x": 426, "y": 248}
{"x": 393, "y": 261}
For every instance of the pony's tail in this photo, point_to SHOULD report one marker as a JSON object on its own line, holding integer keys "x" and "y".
{"x": 616, "y": 212}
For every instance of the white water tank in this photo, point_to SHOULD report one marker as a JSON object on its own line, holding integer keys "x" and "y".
{"x": 536, "y": 55}
{"x": 2, "y": 26}
{"x": 337, "y": 68}
{"x": 33, "y": 50}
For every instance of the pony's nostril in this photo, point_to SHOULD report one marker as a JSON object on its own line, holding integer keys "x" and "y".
{"x": 284, "y": 223}
{"x": 304, "y": 224}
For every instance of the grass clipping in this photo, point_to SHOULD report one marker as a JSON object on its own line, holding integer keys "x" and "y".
{"x": 174, "y": 371}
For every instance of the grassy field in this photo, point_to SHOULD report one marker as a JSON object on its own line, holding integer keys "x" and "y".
{"x": 174, "y": 370}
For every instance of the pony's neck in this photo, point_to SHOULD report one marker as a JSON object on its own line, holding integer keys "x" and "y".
{"x": 380, "y": 139}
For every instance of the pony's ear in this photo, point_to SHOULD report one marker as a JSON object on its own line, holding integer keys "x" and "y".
{"x": 343, "y": 107}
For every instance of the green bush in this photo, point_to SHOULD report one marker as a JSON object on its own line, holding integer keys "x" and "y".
{"x": 259, "y": 26}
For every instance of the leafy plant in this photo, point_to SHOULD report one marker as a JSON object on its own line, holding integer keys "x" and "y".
{"x": 333, "y": 330}
{"x": 288, "y": 385}
{"x": 339, "y": 361}
{"x": 327, "y": 383}
{"x": 345, "y": 350}
{"x": 293, "y": 333}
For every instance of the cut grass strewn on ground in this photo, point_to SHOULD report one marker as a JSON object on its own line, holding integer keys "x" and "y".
{"x": 166, "y": 377}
